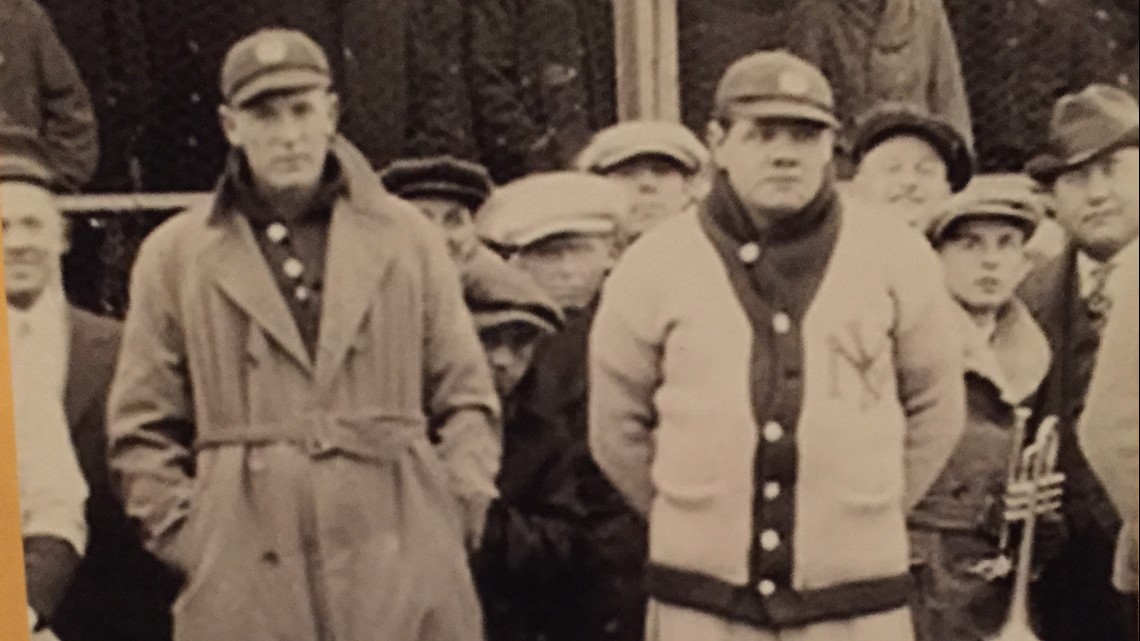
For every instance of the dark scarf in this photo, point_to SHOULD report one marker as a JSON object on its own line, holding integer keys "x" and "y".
{"x": 236, "y": 186}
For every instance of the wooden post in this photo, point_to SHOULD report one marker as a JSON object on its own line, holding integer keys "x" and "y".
{"x": 646, "y": 53}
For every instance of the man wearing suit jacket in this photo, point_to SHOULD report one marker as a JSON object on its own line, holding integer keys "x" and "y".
{"x": 1090, "y": 166}
{"x": 117, "y": 591}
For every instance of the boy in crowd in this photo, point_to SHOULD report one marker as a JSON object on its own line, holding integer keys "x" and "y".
{"x": 980, "y": 235}
{"x": 659, "y": 162}
{"x": 908, "y": 160}
{"x": 524, "y": 567}
{"x": 561, "y": 228}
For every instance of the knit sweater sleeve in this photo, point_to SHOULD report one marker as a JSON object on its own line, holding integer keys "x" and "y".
{"x": 625, "y": 371}
{"x": 929, "y": 365}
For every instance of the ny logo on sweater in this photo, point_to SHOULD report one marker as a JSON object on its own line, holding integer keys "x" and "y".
{"x": 860, "y": 361}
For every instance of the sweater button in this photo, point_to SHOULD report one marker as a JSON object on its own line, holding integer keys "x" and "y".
{"x": 769, "y": 540}
{"x": 771, "y": 490}
{"x": 749, "y": 252}
{"x": 767, "y": 588}
{"x": 773, "y": 432}
{"x": 781, "y": 323}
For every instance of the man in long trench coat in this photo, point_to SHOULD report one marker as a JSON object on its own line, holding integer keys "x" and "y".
{"x": 308, "y": 440}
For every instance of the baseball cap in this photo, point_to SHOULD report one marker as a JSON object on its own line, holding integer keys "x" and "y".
{"x": 627, "y": 140}
{"x": 270, "y": 61}
{"x": 775, "y": 85}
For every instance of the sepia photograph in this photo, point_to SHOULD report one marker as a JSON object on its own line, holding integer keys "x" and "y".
{"x": 570, "y": 320}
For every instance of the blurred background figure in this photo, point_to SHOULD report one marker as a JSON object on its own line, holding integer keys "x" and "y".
{"x": 660, "y": 163}
{"x": 43, "y": 97}
{"x": 908, "y": 161}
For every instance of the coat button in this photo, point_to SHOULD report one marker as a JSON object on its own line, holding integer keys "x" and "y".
{"x": 748, "y": 253}
{"x": 271, "y": 557}
{"x": 781, "y": 323}
{"x": 767, "y": 588}
{"x": 769, "y": 540}
{"x": 773, "y": 432}
{"x": 771, "y": 490}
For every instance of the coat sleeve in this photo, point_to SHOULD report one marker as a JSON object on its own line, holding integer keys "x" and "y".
{"x": 947, "y": 87}
{"x": 149, "y": 411}
{"x": 1107, "y": 429}
{"x": 461, "y": 403}
{"x": 929, "y": 362}
{"x": 624, "y": 373}
{"x": 70, "y": 135}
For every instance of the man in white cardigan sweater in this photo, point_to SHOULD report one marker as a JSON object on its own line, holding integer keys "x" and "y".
{"x": 775, "y": 381}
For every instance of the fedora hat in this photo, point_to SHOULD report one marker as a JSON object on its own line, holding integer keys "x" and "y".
{"x": 1086, "y": 124}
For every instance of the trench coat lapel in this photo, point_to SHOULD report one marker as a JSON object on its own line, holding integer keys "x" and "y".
{"x": 354, "y": 268}
{"x": 235, "y": 264}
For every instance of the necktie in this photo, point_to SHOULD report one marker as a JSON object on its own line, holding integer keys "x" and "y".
{"x": 1098, "y": 302}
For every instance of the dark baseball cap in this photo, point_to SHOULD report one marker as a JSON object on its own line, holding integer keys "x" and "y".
{"x": 775, "y": 85}
{"x": 273, "y": 61}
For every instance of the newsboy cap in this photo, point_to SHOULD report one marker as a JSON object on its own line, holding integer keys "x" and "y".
{"x": 1087, "y": 124}
{"x": 438, "y": 176}
{"x": 625, "y": 141}
{"x": 271, "y": 61}
{"x": 891, "y": 119}
{"x": 1012, "y": 197}
{"x": 501, "y": 293}
{"x": 775, "y": 85}
{"x": 542, "y": 205}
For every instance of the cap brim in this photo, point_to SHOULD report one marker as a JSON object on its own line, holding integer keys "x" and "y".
{"x": 769, "y": 109}
{"x": 280, "y": 82}
{"x": 487, "y": 320}
{"x": 610, "y": 161}
{"x": 938, "y": 229}
{"x": 558, "y": 228}
{"x": 1047, "y": 166}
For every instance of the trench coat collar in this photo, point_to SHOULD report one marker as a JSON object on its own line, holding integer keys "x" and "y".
{"x": 353, "y": 269}
{"x": 1017, "y": 357}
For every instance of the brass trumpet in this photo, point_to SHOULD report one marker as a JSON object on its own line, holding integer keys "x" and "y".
{"x": 1035, "y": 462}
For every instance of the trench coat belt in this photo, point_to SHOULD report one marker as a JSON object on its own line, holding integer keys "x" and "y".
{"x": 368, "y": 436}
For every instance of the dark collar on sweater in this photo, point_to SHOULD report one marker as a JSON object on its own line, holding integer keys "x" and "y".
{"x": 236, "y": 189}
{"x": 731, "y": 216}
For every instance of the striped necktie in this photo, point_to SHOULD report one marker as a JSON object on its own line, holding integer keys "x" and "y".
{"x": 1098, "y": 303}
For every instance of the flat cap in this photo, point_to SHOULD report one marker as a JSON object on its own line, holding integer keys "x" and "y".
{"x": 1014, "y": 197}
{"x": 1086, "y": 124}
{"x": 632, "y": 139}
{"x": 775, "y": 85}
{"x": 549, "y": 204}
{"x": 499, "y": 293}
{"x": 438, "y": 177}
{"x": 272, "y": 61}
{"x": 891, "y": 119}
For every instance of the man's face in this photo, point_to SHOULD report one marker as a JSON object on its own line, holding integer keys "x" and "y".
{"x": 775, "y": 166}
{"x": 906, "y": 174}
{"x": 510, "y": 350}
{"x": 285, "y": 137}
{"x": 658, "y": 188}
{"x": 984, "y": 260}
{"x": 454, "y": 219}
{"x": 570, "y": 268}
{"x": 1097, "y": 202}
{"x": 34, "y": 240}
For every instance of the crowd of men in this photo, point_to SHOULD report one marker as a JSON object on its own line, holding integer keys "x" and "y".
{"x": 771, "y": 386}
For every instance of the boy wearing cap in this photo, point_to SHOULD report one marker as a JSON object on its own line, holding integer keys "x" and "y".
{"x": 525, "y": 567}
{"x": 740, "y": 358}
{"x": 1089, "y": 165}
{"x": 962, "y": 593}
{"x": 658, "y": 162}
{"x": 908, "y": 161}
{"x": 302, "y": 416}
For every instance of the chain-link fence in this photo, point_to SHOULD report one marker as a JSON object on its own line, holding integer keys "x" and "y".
{"x": 516, "y": 84}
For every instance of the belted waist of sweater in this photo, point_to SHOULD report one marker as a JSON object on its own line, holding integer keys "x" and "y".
{"x": 778, "y": 608}
{"x": 370, "y": 436}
